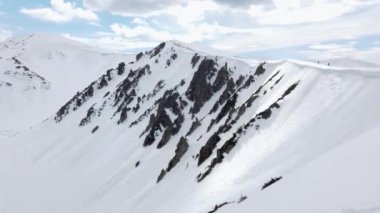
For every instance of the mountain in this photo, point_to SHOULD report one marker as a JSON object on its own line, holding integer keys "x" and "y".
{"x": 38, "y": 73}
{"x": 176, "y": 130}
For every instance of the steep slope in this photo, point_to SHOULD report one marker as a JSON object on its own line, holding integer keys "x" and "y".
{"x": 180, "y": 131}
{"x": 38, "y": 73}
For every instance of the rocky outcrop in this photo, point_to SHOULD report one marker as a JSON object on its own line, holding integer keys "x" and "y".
{"x": 138, "y": 56}
{"x": 208, "y": 148}
{"x": 121, "y": 68}
{"x": 157, "y": 50}
{"x": 260, "y": 69}
{"x": 87, "y": 119}
{"x": 194, "y": 126}
{"x": 270, "y": 182}
{"x": 200, "y": 90}
{"x": 181, "y": 149}
{"x": 170, "y": 101}
{"x": 161, "y": 175}
{"x": 195, "y": 59}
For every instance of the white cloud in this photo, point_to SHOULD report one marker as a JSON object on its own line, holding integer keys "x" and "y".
{"x": 299, "y": 12}
{"x": 140, "y": 21}
{"x": 61, "y": 11}
{"x": 4, "y": 34}
{"x": 345, "y": 52}
{"x": 131, "y": 7}
{"x": 332, "y": 46}
{"x": 255, "y": 27}
{"x": 111, "y": 42}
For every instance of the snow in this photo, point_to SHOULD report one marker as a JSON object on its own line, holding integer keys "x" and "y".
{"x": 322, "y": 141}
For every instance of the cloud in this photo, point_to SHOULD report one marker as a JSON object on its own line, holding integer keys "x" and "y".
{"x": 244, "y": 3}
{"x": 131, "y": 7}
{"x": 329, "y": 52}
{"x": 4, "y": 34}
{"x": 60, "y": 11}
{"x": 140, "y": 21}
{"x": 143, "y": 32}
{"x": 260, "y": 26}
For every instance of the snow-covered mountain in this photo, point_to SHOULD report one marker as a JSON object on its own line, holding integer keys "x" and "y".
{"x": 38, "y": 73}
{"x": 176, "y": 130}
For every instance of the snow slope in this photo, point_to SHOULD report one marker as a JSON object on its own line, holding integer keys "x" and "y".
{"x": 180, "y": 131}
{"x": 38, "y": 73}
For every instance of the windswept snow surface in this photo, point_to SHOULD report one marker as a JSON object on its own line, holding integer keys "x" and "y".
{"x": 39, "y": 73}
{"x": 315, "y": 126}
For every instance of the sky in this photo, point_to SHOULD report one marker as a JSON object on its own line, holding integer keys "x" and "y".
{"x": 276, "y": 29}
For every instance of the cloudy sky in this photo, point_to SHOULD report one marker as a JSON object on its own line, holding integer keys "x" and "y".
{"x": 247, "y": 28}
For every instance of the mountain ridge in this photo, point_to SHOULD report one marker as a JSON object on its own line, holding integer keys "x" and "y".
{"x": 175, "y": 130}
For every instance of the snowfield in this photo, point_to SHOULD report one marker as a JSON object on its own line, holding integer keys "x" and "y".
{"x": 175, "y": 130}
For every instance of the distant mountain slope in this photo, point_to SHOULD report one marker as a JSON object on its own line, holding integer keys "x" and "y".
{"x": 38, "y": 73}
{"x": 175, "y": 130}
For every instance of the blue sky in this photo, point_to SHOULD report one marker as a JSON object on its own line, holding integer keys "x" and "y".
{"x": 312, "y": 29}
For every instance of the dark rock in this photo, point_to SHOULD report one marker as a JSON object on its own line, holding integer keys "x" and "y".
{"x": 165, "y": 137}
{"x": 289, "y": 90}
{"x": 221, "y": 79}
{"x": 270, "y": 182}
{"x": 123, "y": 115}
{"x": 230, "y": 104}
{"x": 207, "y": 149}
{"x": 260, "y": 69}
{"x": 107, "y": 94}
{"x": 194, "y": 126}
{"x": 174, "y": 56}
{"x": 121, "y": 68}
{"x": 217, "y": 207}
{"x": 157, "y": 50}
{"x": 181, "y": 149}
{"x": 161, "y": 176}
{"x": 161, "y": 119}
{"x": 138, "y": 56}
{"x": 95, "y": 129}
{"x": 241, "y": 199}
{"x": 103, "y": 82}
{"x": 195, "y": 59}
{"x": 87, "y": 119}
{"x": 137, "y": 164}
{"x": 240, "y": 80}
{"x": 199, "y": 90}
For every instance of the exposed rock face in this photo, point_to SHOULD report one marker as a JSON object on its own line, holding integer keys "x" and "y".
{"x": 121, "y": 68}
{"x": 181, "y": 149}
{"x": 272, "y": 181}
{"x": 170, "y": 101}
{"x": 194, "y": 126}
{"x": 138, "y": 56}
{"x": 260, "y": 69}
{"x": 195, "y": 60}
{"x": 207, "y": 149}
{"x": 157, "y": 50}
{"x": 95, "y": 129}
{"x": 87, "y": 119}
{"x": 221, "y": 79}
{"x": 200, "y": 89}
{"x": 161, "y": 176}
